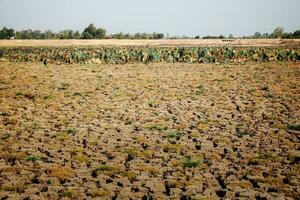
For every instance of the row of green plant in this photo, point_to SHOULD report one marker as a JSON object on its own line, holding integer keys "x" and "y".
{"x": 122, "y": 55}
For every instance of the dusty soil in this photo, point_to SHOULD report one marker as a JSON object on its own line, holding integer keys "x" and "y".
{"x": 159, "y": 131}
{"x": 164, "y": 42}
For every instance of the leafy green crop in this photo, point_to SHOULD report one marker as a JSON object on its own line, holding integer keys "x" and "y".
{"x": 123, "y": 55}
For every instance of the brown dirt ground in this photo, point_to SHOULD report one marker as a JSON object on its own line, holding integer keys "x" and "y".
{"x": 164, "y": 42}
{"x": 105, "y": 131}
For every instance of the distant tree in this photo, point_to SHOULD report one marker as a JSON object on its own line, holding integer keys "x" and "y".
{"x": 296, "y": 34}
{"x": 144, "y": 36}
{"x": 287, "y": 35}
{"x": 257, "y": 35}
{"x": 77, "y": 35}
{"x": 86, "y": 35}
{"x": 70, "y": 34}
{"x": 3, "y": 33}
{"x": 18, "y": 35}
{"x": 265, "y": 35}
{"x": 48, "y": 35}
{"x": 278, "y": 32}
{"x": 184, "y": 37}
{"x": 36, "y": 34}
{"x": 118, "y": 35}
{"x": 158, "y": 36}
{"x": 65, "y": 34}
{"x": 11, "y": 33}
{"x": 128, "y": 36}
{"x": 137, "y": 36}
{"x": 26, "y": 34}
{"x": 197, "y": 37}
{"x": 230, "y": 35}
{"x": 100, "y": 33}
{"x": 91, "y": 32}
{"x": 6, "y": 33}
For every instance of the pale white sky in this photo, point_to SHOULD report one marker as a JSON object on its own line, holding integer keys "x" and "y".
{"x": 177, "y": 17}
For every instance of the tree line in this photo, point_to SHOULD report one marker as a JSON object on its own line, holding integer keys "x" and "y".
{"x": 93, "y": 32}
{"x": 277, "y": 33}
{"x": 90, "y": 32}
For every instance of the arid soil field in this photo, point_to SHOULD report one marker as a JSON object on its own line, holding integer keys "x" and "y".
{"x": 156, "y": 131}
{"x": 162, "y": 42}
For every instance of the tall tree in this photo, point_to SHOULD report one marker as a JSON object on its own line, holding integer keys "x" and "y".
{"x": 6, "y": 33}
{"x": 257, "y": 35}
{"x": 77, "y": 35}
{"x": 92, "y": 31}
{"x": 278, "y": 32}
{"x": 100, "y": 33}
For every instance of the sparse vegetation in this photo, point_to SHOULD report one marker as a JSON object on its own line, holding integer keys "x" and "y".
{"x": 71, "y": 130}
{"x": 157, "y": 127}
{"x": 294, "y": 127}
{"x": 5, "y": 136}
{"x": 32, "y": 158}
{"x": 77, "y": 94}
{"x": 267, "y": 155}
{"x": 64, "y": 86}
{"x": 200, "y": 90}
{"x": 190, "y": 163}
{"x": 61, "y": 172}
{"x": 265, "y": 88}
{"x": 48, "y": 97}
{"x": 174, "y": 134}
{"x": 4, "y": 114}
{"x": 104, "y": 169}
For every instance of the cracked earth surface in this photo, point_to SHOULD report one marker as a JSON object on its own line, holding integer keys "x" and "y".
{"x": 157, "y": 131}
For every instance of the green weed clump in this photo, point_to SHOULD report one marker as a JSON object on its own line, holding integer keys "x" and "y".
{"x": 294, "y": 127}
{"x": 32, "y": 158}
{"x": 190, "y": 163}
{"x": 157, "y": 127}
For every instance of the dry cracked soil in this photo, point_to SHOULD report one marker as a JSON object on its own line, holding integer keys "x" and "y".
{"x": 157, "y": 131}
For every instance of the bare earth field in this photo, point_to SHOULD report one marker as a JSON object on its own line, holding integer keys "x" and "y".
{"x": 159, "y": 131}
{"x": 164, "y": 42}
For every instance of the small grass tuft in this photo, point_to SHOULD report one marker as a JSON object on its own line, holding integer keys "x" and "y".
{"x": 294, "y": 127}
{"x": 48, "y": 97}
{"x": 174, "y": 134}
{"x": 243, "y": 131}
{"x": 61, "y": 172}
{"x": 6, "y": 136}
{"x": 265, "y": 88}
{"x": 131, "y": 176}
{"x": 104, "y": 169}
{"x": 63, "y": 86}
{"x": 4, "y": 114}
{"x": 32, "y": 158}
{"x": 199, "y": 90}
{"x": 157, "y": 127}
{"x": 77, "y": 94}
{"x": 267, "y": 155}
{"x": 269, "y": 95}
{"x": 71, "y": 130}
{"x": 69, "y": 193}
{"x": 99, "y": 193}
{"x": 128, "y": 121}
{"x": 190, "y": 163}
{"x": 251, "y": 91}
{"x": 19, "y": 93}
